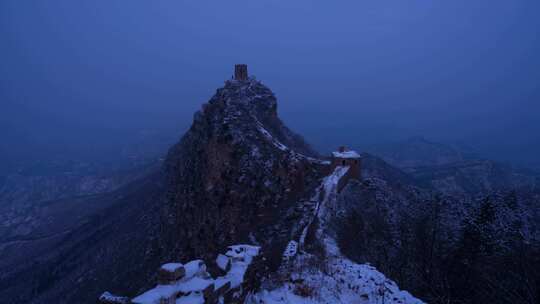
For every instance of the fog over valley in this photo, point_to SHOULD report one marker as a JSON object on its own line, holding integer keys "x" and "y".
{"x": 89, "y": 78}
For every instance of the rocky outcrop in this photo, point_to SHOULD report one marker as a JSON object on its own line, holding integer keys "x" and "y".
{"x": 234, "y": 173}
{"x": 191, "y": 283}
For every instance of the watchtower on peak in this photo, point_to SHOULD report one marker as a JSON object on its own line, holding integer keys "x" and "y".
{"x": 240, "y": 72}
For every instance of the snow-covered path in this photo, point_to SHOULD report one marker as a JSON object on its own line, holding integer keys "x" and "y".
{"x": 329, "y": 192}
{"x": 283, "y": 147}
{"x": 306, "y": 279}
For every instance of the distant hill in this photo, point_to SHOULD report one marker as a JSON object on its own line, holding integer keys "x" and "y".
{"x": 455, "y": 170}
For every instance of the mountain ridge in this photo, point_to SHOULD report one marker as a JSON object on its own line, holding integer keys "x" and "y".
{"x": 240, "y": 176}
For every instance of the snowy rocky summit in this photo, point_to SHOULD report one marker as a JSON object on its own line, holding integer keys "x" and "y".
{"x": 237, "y": 176}
{"x": 234, "y": 174}
{"x": 240, "y": 175}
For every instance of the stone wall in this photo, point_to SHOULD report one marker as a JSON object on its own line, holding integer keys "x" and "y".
{"x": 240, "y": 72}
{"x": 355, "y": 165}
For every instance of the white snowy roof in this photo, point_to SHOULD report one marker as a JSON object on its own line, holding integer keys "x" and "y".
{"x": 346, "y": 154}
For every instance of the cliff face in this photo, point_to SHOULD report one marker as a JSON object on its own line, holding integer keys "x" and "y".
{"x": 233, "y": 174}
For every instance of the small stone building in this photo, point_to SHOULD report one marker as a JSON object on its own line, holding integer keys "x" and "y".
{"x": 349, "y": 158}
{"x": 345, "y": 157}
{"x": 241, "y": 72}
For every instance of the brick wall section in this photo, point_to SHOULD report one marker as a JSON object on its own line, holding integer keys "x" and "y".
{"x": 354, "y": 169}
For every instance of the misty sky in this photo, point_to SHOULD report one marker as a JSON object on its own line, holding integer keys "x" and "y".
{"x": 82, "y": 76}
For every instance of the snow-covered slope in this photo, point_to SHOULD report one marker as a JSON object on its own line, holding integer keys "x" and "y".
{"x": 336, "y": 280}
{"x": 312, "y": 277}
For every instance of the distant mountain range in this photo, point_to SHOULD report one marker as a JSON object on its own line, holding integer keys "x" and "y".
{"x": 455, "y": 171}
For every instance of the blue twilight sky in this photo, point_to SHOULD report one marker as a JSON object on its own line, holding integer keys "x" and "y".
{"x": 81, "y": 77}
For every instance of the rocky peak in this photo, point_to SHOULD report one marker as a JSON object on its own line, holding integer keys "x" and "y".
{"x": 243, "y": 106}
{"x": 234, "y": 173}
{"x": 251, "y": 93}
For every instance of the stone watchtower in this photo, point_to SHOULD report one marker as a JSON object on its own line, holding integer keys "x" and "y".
{"x": 346, "y": 157}
{"x": 240, "y": 72}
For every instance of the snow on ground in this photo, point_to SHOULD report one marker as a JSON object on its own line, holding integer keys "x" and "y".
{"x": 346, "y": 154}
{"x": 154, "y": 296}
{"x": 187, "y": 285}
{"x": 197, "y": 279}
{"x": 271, "y": 138}
{"x": 193, "y": 298}
{"x": 290, "y": 250}
{"x": 329, "y": 188}
{"x": 308, "y": 279}
{"x": 244, "y": 252}
{"x": 110, "y": 298}
{"x": 314, "y": 198}
{"x": 342, "y": 281}
{"x": 241, "y": 257}
{"x": 283, "y": 147}
{"x": 171, "y": 267}
{"x": 195, "y": 267}
{"x": 222, "y": 261}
